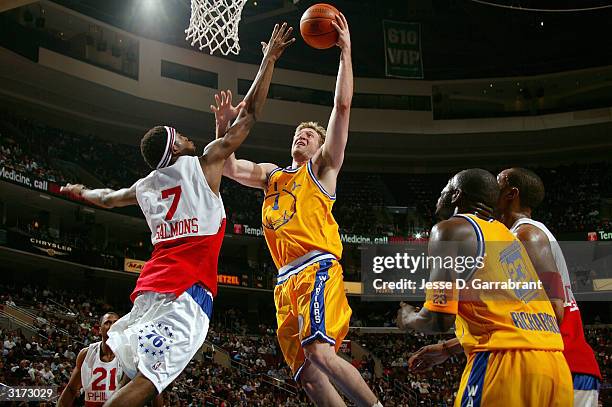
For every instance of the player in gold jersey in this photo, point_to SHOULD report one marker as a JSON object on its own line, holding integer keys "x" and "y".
{"x": 311, "y": 306}
{"x": 510, "y": 336}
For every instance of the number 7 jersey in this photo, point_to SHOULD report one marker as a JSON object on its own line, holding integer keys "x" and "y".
{"x": 177, "y": 202}
{"x": 187, "y": 222}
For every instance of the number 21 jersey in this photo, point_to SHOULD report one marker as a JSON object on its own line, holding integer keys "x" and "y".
{"x": 99, "y": 379}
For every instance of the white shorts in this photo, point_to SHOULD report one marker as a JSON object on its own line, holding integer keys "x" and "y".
{"x": 586, "y": 390}
{"x": 161, "y": 334}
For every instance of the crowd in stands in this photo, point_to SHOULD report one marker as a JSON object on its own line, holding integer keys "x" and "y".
{"x": 572, "y": 203}
{"x": 39, "y": 149}
{"x": 66, "y": 321}
{"x": 573, "y": 197}
{"x": 438, "y": 386}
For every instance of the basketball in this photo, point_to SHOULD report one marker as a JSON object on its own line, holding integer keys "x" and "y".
{"x": 316, "y": 26}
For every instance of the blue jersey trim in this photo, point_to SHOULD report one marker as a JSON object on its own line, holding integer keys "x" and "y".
{"x": 317, "y": 299}
{"x": 472, "y": 395}
{"x": 269, "y": 177}
{"x": 285, "y": 275}
{"x": 586, "y": 382}
{"x": 202, "y": 297}
{"x": 316, "y": 181}
{"x": 291, "y": 170}
{"x": 480, "y": 242}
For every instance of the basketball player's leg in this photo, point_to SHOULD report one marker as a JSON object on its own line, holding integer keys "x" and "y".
{"x": 344, "y": 375}
{"x": 318, "y": 387}
{"x": 160, "y": 337}
{"x": 325, "y": 314}
{"x": 137, "y": 392}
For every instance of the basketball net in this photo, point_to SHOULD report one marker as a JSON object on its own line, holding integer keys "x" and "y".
{"x": 214, "y": 25}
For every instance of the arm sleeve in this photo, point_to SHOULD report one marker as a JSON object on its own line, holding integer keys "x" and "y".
{"x": 442, "y": 300}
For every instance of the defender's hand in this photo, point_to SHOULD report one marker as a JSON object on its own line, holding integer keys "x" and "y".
{"x": 427, "y": 357}
{"x": 224, "y": 112}
{"x": 404, "y": 315}
{"x": 279, "y": 41}
{"x": 344, "y": 36}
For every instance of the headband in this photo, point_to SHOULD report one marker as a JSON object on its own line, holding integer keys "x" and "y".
{"x": 167, "y": 156}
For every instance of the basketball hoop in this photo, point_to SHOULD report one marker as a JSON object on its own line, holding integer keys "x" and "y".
{"x": 214, "y": 25}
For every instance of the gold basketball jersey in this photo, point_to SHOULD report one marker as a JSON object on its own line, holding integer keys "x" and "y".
{"x": 297, "y": 215}
{"x": 492, "y": 313}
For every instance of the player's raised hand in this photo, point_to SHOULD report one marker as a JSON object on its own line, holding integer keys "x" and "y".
{"x": 427, "y": 357}
{"x": 344, "y": 36}
{"x": 224, "y": 112}
{"x": 279, "y": 41}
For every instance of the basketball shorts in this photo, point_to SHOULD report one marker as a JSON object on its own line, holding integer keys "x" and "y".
{"x": 517, "y": 378}
{"x": 311, "y": 305}
{"x": 586, "y": 390}
{"x": 162, "y": 333}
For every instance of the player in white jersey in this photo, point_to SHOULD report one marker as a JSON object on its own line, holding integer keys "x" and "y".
{"x": 521, "y": 192}
{"x": 97, "y": 371}
{"x": 180, "y": 200}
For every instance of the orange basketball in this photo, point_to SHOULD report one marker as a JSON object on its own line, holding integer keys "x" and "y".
{"x": 316, "y": 26}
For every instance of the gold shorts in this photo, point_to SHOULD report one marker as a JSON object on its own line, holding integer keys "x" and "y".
{"x": 311, "y": 305}
{"x": 516, "y": 378}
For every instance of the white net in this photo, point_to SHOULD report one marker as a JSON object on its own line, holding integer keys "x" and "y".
{"x": 214, "y": 25}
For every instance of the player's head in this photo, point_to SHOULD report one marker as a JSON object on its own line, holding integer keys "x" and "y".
{"x": 521, "y": 189}
{"x": 162, "y": 145}
{"x": 106, "y": 321}
{"x": 308, "y": 138}
{"x": 468, "y": 190}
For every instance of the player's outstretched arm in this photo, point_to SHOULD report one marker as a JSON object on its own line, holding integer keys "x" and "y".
{"x": 245, "y": 172}
{"x": 104, "y": 197}
{"x": 441, "y": 315}
{"x": 332, "y": 152}
{"x": 73, "y": 388}
{"x": 217, "y": 152}
{"x": 540, "y": 253}
{"x": 248, "y": 173}
{"x": 223, "y": 147}
{"x": 432, "y": 355}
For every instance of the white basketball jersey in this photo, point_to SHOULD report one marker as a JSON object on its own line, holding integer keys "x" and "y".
{"x": 99, "y": 379}
{"x": 557, "y": 255}
{"x": 177, "y": 202}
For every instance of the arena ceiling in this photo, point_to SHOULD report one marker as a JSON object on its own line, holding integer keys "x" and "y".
{"x": 460, "y": 38}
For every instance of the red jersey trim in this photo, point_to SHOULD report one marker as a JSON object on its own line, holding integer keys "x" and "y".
{"x": 178, "y": 264}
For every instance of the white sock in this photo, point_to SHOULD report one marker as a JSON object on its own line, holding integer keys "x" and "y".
{"x": 378, "y": 404}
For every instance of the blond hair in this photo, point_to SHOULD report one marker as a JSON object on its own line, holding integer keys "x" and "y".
{"x": 316, "y": 127}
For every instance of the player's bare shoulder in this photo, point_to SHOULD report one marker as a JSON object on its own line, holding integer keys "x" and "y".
{"x": 453, "y": 229}
{"x": 531, "y": 233}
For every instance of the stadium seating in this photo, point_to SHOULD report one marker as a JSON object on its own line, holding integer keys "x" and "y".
{"x": 572, "y": 201}
{"x": 256, "y": 376}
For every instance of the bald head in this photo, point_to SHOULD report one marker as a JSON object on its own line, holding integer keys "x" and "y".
{"x": 478, "y": 185}
{"x": 474, "y": 187}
